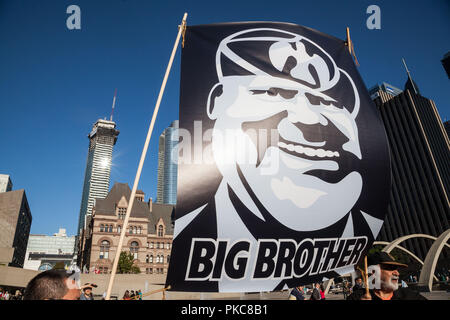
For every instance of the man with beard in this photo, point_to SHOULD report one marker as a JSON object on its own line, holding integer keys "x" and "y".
{"x": 389, "y": 281}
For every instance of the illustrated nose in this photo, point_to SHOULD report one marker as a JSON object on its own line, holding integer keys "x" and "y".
{"x": 301, "y": 111}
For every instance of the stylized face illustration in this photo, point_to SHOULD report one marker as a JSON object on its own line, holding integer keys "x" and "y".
{"x": 289, "y": 142}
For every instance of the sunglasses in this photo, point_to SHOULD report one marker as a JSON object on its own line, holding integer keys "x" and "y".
{"x": 389, "y": 267}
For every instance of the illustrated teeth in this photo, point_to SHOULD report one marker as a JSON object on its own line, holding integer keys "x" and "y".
{"x": 298, "y": 149}
{"x": 321, "y": 153}
{"x": 309, "y": 152}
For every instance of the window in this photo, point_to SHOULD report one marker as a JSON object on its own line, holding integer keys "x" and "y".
{"x": 104, "y": 249}
{"x": 135, "y": 230}
{"x": 168, "y": 259}
{"x": 102, "y": 228}
{"x": 167, "y": 245}
{"x": 134, "y": 249}
{"x": 160, "y": 231}
{"x": 119, "y": 228}
{"x": 151, "y": 259}
{"x": 151, "y": 245}
{"x": 131, "y": 229}
{"x": 121, "y": 213}
{"x": 147, "y": 259}
{"x": 139, "y": 230}
{"x": 105, "y": 270}
{"x": 110, "y": 228}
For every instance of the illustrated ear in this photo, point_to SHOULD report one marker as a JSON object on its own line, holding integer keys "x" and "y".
{"x": 215, "y": 92}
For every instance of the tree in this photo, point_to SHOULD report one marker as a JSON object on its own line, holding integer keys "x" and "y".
{"x": 126, "y": 263}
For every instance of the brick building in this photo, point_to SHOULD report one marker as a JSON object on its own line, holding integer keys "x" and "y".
{"x": 148, "y": 237}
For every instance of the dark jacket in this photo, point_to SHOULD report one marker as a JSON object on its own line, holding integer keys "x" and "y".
{"x": 316, "y": 294}
{"x": 400, "y": 294}
{"x": 296, "y": 293}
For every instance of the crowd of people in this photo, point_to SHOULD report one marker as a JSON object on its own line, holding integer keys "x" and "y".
{"x": 132, "y": 295}
{"x": 6, "y": 295}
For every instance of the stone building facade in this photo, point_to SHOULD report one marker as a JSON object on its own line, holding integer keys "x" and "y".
{"x": 148, "y": 237}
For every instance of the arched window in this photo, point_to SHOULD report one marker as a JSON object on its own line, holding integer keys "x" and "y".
{"x": 147, "y": 259}
{"x": 134, "y": 249}
{"x": 102, "y": 227}
{"x": 135, "y": 230}
{"x": 104, "y": 249}
{"x": 160, "y": 231}
{"x": 131, "y": 229}
{"x": 110, "y": 228}
{"x": 119, "y": 228}
{"x": 139, "y": 230}
{"x": 151, "y": 259}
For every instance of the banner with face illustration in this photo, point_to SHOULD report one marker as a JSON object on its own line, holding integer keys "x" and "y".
{"x": 284, "y": 173}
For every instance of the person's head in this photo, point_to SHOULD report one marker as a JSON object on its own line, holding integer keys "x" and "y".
{"x": 389, "y": 277}
{"x": 322, "y": 288}
{"x": 389, "y": 270}
{"x": 317, "y": 285}
{"x": 52, "y": 285}
{"x": 359, "y": 281}
{"x": 284, "y": 112}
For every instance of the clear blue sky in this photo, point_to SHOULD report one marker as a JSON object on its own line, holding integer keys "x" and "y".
{"x": 55, "y": 83}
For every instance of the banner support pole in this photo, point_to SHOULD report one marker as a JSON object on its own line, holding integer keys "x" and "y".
{"x": 141, "y": 162}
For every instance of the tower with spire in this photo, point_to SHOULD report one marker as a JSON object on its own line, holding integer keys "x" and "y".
{"x": 420, "y": 154}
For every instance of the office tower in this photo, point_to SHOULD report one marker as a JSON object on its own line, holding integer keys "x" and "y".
{"x": 168, "y": 165}
{"x": 420, "y": 156}
{"x": 5, "y": 183}
{"x": 15, "y": 224}
{"x": 102, "y": 139}
{"x": 446, "y": 63}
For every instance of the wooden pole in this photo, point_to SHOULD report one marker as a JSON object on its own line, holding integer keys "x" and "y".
{"x": 349, "y": 42}
{"x": 366, "y": 278}
{"x": 141, "y": 162}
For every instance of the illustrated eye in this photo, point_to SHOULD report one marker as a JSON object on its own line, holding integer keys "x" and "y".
{"x": 316, "y": 100}
{"x": 273, "y": 92}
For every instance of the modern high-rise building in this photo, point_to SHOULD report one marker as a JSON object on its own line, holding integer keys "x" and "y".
{"x": 5, "y": 183}
{"x": 420, "y": 157}
{"x": 168, "y": 165}
{"x": 102, "y": 139}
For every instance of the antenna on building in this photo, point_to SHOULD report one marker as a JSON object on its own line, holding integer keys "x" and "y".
{"x": 409, "y": 77}
{"x": 114, "y": 103}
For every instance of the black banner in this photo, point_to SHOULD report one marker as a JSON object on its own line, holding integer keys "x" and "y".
{"x": 284, "y": 174}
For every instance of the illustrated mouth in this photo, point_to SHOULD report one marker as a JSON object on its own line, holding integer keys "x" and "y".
{"x": 298, "y": 149}
{"x": 329, "y": 147}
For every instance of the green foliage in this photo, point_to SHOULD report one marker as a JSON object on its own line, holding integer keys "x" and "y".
{"x": 126, "y": 264}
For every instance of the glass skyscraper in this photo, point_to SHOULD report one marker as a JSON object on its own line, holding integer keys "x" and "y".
{"x": 168, "y": 165}
{"x": 98, "y": 167}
